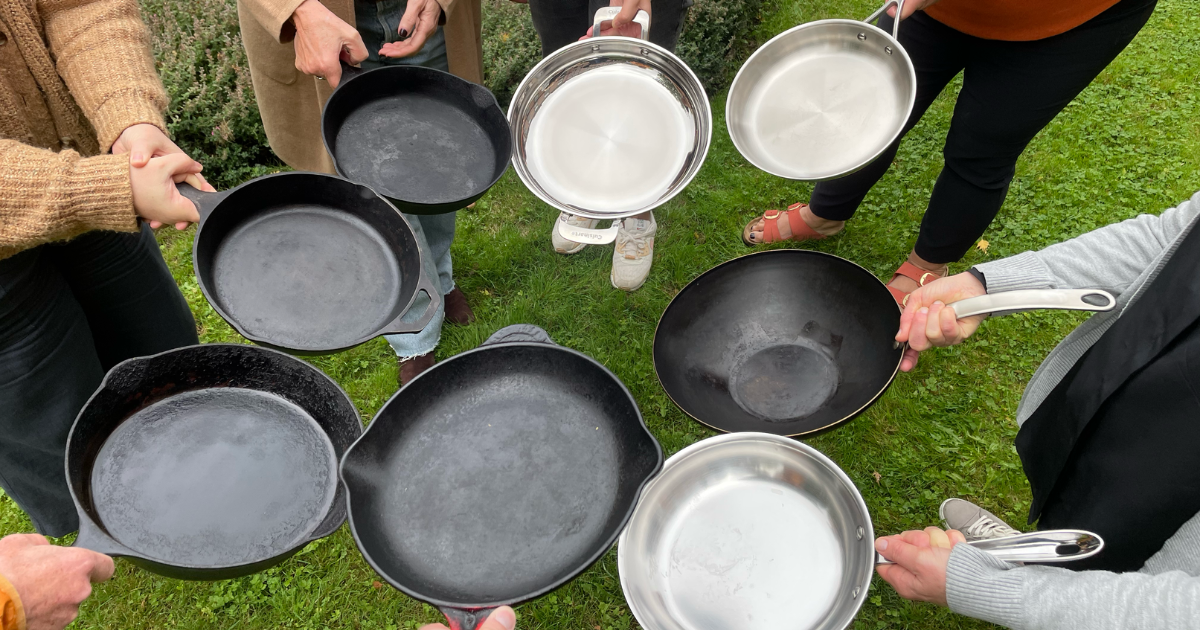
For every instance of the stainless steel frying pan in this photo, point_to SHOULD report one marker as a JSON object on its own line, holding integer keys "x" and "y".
{"x": 609, "y": 127}
{"x": 753, "y": 530}
{"x": 823, "y": 99}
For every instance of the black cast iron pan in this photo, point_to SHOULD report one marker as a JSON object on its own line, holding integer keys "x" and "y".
{"x": 794, "y": 342}
{"x": 211, "y": 461}
{"x": 498, "y": 475}
{"x": 426, "y": 139}
{"x": 309, "y": 263}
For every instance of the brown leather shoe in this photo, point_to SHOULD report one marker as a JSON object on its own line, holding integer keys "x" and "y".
{"x": 457, "y": 310}
{"x": 414, "y": 366}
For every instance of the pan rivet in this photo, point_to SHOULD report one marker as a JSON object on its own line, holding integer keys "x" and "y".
{"x": 860, "y": 533}
{"x": 595, "y": 48}
{"x": 855, "y": 593}
{"x": 645, "y": 51}
{"x": 887, "y": 49}
{"x": 862, "y": 37}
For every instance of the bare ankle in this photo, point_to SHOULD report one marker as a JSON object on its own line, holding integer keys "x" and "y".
{"x": 937, "y": 268}
{"x": 824, "y": 227}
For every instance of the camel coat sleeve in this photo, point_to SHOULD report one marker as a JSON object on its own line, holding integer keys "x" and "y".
{"x": 290, "y": 102}
{"x": 12, "y": 615}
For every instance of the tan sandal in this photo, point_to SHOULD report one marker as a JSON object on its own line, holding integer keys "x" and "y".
{"x": 771, "y": 234}
{"x": 916, "y": 274}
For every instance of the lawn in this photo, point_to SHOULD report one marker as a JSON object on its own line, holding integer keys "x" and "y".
{"x": 1130, "y": 144}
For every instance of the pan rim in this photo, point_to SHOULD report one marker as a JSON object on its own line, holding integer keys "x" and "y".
{"x": 811, "y": 432}
{"x": 237, "y": 325}
{"x": 898, "y": 47}
{"x": 705, "y": 107}
{"x": 416, "y": 70}
{"x": 134, "y": 554}
{"x": 754, "y": 436}
{"x": 571, "y": 575}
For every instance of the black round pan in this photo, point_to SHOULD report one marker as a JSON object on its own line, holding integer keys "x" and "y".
{"x": 426, "y": 139}
{"x": 790, "y": 342}
{"x": 210, "y": 462}
{"x": 308, "y": 263}
{"x": 498, "y": 475}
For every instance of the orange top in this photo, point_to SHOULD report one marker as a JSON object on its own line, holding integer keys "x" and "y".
{"x": 1015, "y": 20}
{"x": 12, "y": 615}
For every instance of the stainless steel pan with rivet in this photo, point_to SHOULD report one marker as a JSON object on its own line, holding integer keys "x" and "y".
{"x": 823, "y": 99}
{"x": 754, "y": 530}
{"x": 609, "y": 127}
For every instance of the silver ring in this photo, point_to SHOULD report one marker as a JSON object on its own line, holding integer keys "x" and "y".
{"x": 320, "y": 78}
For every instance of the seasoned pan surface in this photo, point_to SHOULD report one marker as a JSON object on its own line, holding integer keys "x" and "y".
{"x": 788, "y": 342}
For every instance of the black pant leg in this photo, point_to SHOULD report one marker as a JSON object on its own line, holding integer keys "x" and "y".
{"x": 1011, "y": 91}
{"x": 48, "y": 369}
{"x": 938, "y": 53}
{"x": 133, "y": 305}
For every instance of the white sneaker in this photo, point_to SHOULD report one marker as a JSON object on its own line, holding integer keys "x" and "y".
{"x": 562, "y": 245}
{"x": 974, "y": 522}
{"x": 633, "y": 254}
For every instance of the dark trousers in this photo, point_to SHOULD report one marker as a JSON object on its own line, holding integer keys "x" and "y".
{"x": 560, "y": 22}
{"x": 1010, "y": 91}
{"x": 68, "y": 313}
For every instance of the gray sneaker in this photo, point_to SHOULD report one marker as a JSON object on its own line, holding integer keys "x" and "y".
{"x": 974, "y": 522}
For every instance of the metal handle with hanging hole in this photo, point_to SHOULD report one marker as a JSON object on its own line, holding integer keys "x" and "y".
{"x": 1059, "y": 299}
{"x": 895, "y": 25}
{"x": 606, "y": 14}
{"x": 1052, "y": 545}
{"x": 590, "y": 236}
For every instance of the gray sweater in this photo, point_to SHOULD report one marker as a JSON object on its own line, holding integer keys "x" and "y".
{"x": 1123, "y": 259}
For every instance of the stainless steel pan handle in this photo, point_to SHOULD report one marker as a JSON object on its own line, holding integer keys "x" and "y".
{"x": 1052, "y": 545}
{"x": 895, "y": 25}
{"x": 1060, "y": 299}
{"x": 606, "y": 14}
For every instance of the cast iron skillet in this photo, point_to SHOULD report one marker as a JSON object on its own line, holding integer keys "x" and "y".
{"x": 786, "y": 341}
{"x": 209, "y": 462}
{"x": 308, "y": 263}
{"x": 425, "y": 139}
{"x": 498, "y": 475}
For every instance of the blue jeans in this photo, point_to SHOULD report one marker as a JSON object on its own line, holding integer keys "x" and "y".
{"x": 379, "y": 23}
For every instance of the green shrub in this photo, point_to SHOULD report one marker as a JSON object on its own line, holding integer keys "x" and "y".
{"x": 717, "y": 37}
{"x": 510, "y": 47}
{"x": 213, "y": 115}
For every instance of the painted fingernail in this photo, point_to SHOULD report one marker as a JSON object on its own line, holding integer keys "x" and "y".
{"x": 505, "y": 617}
{"x": 881, "y": 544}
{"x": 403, "y": 34}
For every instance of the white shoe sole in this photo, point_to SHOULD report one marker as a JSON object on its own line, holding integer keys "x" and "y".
{"x": 614, "y": 283}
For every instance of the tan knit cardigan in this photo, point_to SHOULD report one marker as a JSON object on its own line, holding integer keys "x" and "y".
{"x": 74, "y": 74}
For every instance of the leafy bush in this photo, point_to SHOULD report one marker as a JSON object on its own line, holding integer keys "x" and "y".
{"x": 510, "y": 47}
{"x": 717, "y": 36}
{"x": 213, "y": 115}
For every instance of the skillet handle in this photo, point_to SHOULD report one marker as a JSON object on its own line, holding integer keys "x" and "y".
{"x": 92, "y": 538}
{"x": 590, "y": 236}
{"x": 205, "y": 202}
{"x": 1052, "y": 545}
{"x": 519, "y": 333}
{"x": 464, "y": 619}
{"x": 895, "y": 25}
{"x": 399, "y": 326}
{"x": 606, "y": 14}
{"x": 1058, "y": 299}
{"x": 349, "y": 71}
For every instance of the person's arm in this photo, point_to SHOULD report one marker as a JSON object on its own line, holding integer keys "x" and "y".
{"x": 102, "y": 51}
{"x": 1109, "y": 258}
{"x": 47, "y": 583}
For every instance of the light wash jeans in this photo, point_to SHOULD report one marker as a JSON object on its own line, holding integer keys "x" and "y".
{"x": 379, "y": 23}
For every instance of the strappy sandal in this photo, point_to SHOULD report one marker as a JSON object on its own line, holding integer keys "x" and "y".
{"x": 914, "y": 273}
{"x": 771, "y": 234}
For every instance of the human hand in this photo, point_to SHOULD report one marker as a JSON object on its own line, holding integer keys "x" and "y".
{"x": 51, "y": 581}
{"x": 911, "y": 7}
{"x": 928, "y": 322}
{"x": 323, "y": 40}
{"x": 623, "y": 24}
{"x": 921, "y": 559}
{"x": 419, "y": 23}
{"x": 503, "y": 618}
{"x": 155, "y": 197}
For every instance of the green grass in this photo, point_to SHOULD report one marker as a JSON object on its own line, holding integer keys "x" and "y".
{"x": 1129, "y": 144}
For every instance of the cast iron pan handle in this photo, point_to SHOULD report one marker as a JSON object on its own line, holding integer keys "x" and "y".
{"x": 463, "y": 619}
{"x": 519, "y": 333}
{"x": 93, "y": 538}
{"x": 205, "y": 202}
{"x": 399, "y": 327}
{"x": 349, "y": 72}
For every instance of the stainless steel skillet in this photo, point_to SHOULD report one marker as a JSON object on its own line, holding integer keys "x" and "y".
{"x": 753, "y": 530}
{"x": 823, "y": 99}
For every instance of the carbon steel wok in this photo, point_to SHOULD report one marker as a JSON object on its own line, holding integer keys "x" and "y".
{"x": 793, "y": 342}
{"x": 823, "y": 99}
{"x": 498, "y": 475}
{"x": 309, "y": 263}
{"x": 754, "y": 530}
{"x": 427, "y": 140}
{"x": 609, "y": 127}
{"x": 209, "y": 462}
